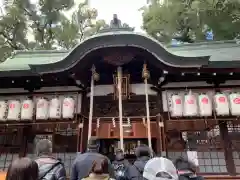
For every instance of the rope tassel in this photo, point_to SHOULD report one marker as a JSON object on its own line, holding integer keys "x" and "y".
{"x": 129, "y": 121}
{"x": 114, "y": 122}
{"x": 98, "y": 122}
{"x": 144, "y": 121}
{"x": 146, "y": 76}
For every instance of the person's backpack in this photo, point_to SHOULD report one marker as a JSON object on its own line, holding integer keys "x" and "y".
{"x": 120, "y": 171}
{"x": 49, "y": 174}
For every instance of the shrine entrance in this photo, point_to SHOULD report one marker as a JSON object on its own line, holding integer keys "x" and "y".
{"x": 108, "y": 147}
{"x": 134, "y": 134}
{"x": 113, "y": 118}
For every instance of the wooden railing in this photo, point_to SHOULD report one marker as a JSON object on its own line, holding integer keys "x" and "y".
{"x": 222, "y": 177}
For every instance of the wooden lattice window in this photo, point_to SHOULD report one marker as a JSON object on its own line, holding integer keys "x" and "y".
{"x": 62, "y": 149}
{"x": 234, "y": 134}
{"x": 10, "y": 146}
{"x": 125, "y": 86}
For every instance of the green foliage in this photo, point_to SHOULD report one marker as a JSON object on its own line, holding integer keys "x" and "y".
{"x": 188, "y": 20}
{"x": 44, "y": 26}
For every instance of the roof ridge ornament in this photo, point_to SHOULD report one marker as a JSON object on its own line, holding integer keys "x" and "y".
{"x": 116, "y": 25}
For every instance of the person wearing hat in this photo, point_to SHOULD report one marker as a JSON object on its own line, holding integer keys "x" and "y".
{"x": 120, "y": 165}
{"x": 160, "y": 168}
{"x": 83, "y": 163}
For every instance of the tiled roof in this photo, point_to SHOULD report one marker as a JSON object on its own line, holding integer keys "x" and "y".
{"x": 20, "y": 60}
{"x": 219, "y": 51}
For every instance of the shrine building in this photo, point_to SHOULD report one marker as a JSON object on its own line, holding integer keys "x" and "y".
{"x": 125, "y": 89}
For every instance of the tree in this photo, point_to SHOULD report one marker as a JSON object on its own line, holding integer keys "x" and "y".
{"x": 83, "y": 23}
{"x": 188, "y": 20}
{"x": 46, "y": 23}
{"x": 12, "y": 31}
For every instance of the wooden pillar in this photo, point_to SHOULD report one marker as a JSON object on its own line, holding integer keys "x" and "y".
{"x": 161, "y": 141}
{"x": 226, "y": 141}
{"x": 83, "y": 133}
{"x": 79, "y": 140}
{"x": 119, "y": 77}
{"x": 24, "y": 135}
{"x": 159, "y": 135}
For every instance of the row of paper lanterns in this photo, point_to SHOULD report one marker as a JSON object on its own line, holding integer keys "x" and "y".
{"x": 42, "y": 108}
{"x": 203, "y": 104}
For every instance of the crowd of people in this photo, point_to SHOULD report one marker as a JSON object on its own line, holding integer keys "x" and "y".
{"x": 92, "y": 165}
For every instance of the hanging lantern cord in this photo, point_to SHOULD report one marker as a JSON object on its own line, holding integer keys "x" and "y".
{"x": 146, "y": 76}
{"x": 95, "y": 77}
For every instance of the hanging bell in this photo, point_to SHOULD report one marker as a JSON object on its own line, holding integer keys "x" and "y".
{"x": 129, "y": 121}
{"x": 96, "y": 76}
{"x": 145, "y": 72}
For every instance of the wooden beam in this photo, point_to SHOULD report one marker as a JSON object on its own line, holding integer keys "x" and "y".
{"x": 84, "y": 131}
{"x": 227, "y": 147}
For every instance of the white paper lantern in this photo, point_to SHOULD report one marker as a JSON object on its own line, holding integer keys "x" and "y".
{"x": 55, "y": 108}
{"x": 176, "y": 106}
{"x": 68, "y": 107}
{"x": 27, "y": 109}
{"x": 190, "y": 105}
{"x": 3, "y": 110}
{"x": 205, "y": 105}
{"x": 14, "y": 110}
{"x": 234, "y": 99}
{"x": 221, "y": 104}
{"x": 42, "y": 109}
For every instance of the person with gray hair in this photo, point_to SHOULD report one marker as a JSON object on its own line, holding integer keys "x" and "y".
{"x": 50, "y": 168}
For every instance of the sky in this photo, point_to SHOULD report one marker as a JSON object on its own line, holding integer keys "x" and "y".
{"x": 127, "y": 10}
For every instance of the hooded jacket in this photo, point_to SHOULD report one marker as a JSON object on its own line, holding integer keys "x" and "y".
{"x": 50, "y": 168}
{"x": 143, "y": 154}
{"x": 135, "y": 172}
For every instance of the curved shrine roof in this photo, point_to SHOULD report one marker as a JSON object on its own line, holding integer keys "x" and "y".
{"x": 183, "y": 56}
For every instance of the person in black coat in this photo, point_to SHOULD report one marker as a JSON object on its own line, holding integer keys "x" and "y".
{"x": 186, "y": 169}
{"x": 135, "y": 171}
{"x": 83, "y": 163}
{"x": 50, "y": 168}
{"x": 120, "y": 165}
